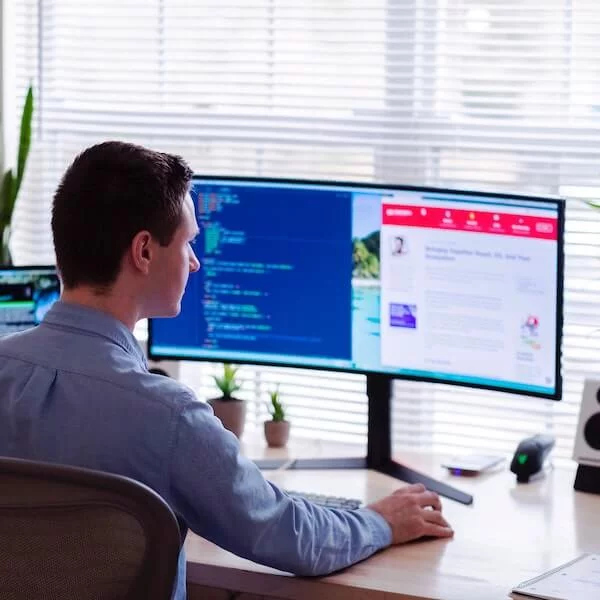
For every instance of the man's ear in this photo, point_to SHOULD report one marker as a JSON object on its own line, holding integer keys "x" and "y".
{"x": 142, "y": 251}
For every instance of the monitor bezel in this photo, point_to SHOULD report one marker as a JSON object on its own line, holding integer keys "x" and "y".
{"x": 558, "y": 201}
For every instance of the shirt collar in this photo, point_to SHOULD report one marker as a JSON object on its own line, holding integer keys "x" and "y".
{"x": 91, "y": 321}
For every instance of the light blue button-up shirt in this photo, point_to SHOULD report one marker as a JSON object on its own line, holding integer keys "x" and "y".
{"x": 76, "y": 390}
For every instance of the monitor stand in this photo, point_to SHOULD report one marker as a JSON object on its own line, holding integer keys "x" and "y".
{"x": 379, "y": 447}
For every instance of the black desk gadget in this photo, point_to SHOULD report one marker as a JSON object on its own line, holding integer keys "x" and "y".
{"x": 587, "y": 439}
{"x": 529, "y": 459}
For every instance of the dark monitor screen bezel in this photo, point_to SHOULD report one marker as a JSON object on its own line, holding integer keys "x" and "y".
{"x": 557, "y": 201}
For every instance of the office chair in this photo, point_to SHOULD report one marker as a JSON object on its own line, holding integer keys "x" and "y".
{"x": 73, "y": 533}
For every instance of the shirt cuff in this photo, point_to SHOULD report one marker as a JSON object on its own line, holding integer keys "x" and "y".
{"x": 381, "y": 531}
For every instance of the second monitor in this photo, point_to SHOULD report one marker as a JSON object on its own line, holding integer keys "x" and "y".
{"x": 26, "y": 295}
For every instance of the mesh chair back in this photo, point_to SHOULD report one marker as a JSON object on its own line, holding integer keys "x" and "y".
{"x": 67, "y": 533}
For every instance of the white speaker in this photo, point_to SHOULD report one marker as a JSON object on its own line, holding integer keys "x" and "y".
{"x": 587, "y": 439}
{"x": 169, "y": 368}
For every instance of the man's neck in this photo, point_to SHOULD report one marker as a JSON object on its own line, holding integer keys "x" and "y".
{"x": 119, "y": 306}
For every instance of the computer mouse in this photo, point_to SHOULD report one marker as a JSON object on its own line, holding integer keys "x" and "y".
{"x": 530, "y": 455}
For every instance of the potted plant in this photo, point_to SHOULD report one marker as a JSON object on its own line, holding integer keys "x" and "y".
{"x": 11, "y": 182}
{"x": 277, "y": 430}
{"x": 228, "y": 408}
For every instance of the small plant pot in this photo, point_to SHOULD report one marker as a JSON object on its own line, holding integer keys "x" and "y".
{"x": 231, "y": 412}
{"x": 277, "y": 433}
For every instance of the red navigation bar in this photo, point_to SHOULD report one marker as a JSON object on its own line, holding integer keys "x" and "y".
{"x": 476, "y": 221}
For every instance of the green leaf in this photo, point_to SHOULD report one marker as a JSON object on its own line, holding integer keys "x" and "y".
{"x": 277, "y": 411}
{"x": 227, "y": 383}
{"x": 7, "y": 197}
{"x": 24, "y": 141}
{"x": 5, "y": 257}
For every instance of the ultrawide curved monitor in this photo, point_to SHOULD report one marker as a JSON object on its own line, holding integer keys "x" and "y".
{"x": 429, "y": 284}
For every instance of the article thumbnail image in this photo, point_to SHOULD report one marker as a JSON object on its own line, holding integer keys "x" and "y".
{"x": 403, "y": 315}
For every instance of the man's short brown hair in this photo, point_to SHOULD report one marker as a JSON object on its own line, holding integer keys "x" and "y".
{"x": 111, "y": 192}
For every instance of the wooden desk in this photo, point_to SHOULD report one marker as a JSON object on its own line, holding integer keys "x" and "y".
{"x": 511, "y": 533}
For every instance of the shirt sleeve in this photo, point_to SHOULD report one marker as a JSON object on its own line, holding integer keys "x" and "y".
{"x": 223, "y": 497}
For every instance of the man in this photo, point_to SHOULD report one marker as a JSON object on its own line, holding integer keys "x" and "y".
{"x": 76, "y": 389}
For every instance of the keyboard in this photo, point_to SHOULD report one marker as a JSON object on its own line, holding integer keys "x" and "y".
{"x": 325, "y": 500}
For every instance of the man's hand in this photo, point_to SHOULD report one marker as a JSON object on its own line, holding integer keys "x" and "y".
{"x": 413, "y": 512}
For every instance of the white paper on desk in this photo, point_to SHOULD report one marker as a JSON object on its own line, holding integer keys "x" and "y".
{"x": 575, "y": 580}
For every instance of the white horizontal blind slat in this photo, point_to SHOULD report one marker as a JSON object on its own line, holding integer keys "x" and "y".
{"x": 476, "y": 94}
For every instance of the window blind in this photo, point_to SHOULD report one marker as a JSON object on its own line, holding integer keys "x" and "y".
{"x": 482, "y": 94}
